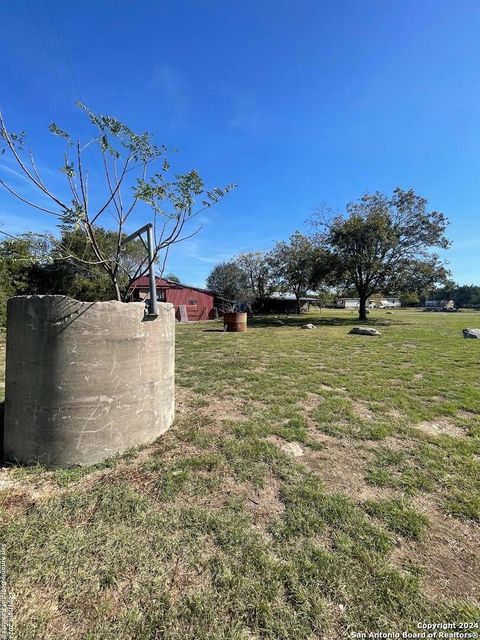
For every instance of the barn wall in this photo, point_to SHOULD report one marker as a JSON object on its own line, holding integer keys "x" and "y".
{"x": 184, "y": 295}
{"x": 203, "y": 310}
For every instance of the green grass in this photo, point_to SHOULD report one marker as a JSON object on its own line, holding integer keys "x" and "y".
{"x": 216, "y": 532}
{"x": 398, "y": 516}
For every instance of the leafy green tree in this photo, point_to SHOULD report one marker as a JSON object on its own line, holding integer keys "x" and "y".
{"x": 300, "y": 265}
{"x": 409, "y": 299}
{"x": 258, "y": 271}
{"x": 17, "y": 255}
{"x": 136, "y": 172}
{"x": 383, "y": 240}
{"x": 466, "y": 295}
{"x": 173, "y": 278}
{"x": 463, "y": 295}
{"x": 91, "y": 281}
{"x": 325, "y": 296}
{"x": 228, "y": 280}
{"x": 419, "y": 276}
{"x": 38, "y": 264}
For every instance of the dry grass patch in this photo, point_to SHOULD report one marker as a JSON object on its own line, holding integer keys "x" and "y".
{"x": 448, "y": 554}
{"x": 362, "y": 411}
{"x": 440, "y": 426}
{"x": 341, "y": 465}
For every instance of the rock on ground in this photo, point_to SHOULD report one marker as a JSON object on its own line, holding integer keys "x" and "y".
{"x": 366, "y": 331}
{"x": 471, "y": 333}
{"x": 309, "y": 325}
{"x": 293, "y": 449}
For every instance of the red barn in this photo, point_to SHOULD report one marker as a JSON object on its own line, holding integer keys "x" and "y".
{"x": 199, "y": 303}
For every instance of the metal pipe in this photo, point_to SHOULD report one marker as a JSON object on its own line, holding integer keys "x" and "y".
{"x": 153, "y": 311}
{"x": 151, "y": 271}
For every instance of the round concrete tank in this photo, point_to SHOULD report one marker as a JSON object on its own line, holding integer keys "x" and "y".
{"x": 86, "y": 380}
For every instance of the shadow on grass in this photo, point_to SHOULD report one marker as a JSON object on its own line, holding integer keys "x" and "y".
{"x": 2, "y": 429}
{"x": 327, "y": 321}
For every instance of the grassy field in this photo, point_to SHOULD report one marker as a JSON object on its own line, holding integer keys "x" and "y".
{"x": 218, "y": 531}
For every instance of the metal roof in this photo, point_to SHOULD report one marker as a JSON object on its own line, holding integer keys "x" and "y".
{"x": 278, "y": 295}
{"x": 143, "y": 282}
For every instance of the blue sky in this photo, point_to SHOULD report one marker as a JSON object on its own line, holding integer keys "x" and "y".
{"x": 299, "y": 102}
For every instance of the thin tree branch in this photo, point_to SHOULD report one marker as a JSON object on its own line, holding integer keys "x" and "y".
{"x": 21, "y": 164}
{"x": 31, "y": 204}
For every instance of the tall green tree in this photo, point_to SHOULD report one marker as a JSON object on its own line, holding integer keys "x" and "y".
{"x": 258, "y": 271}
{"x": 409, "y": 299}
{"x": 72, "y": 270}
{"x": 17, "y": 256}
{"x": 381, "y": 240}
{"x": 42, "y": 264}
{"x": 228, "y": 280}
{"x": 299, "y": 265}
{"x": 136, "y": 173}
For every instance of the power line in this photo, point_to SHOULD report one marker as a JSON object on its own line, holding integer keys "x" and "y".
{"x": 9, "y": 235}
{"x": 60, "y": 82}
{"x": 60, "y": 41}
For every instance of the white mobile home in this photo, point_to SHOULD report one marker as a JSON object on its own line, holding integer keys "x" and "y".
{"x": 389, "y": 303}
{"x": 347, "y": 303}
{"x": 351, "y": 303}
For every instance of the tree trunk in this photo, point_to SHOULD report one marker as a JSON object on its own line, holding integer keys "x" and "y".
{"x": 362, "y": 312}
{"x": 117, "y": 291}
{"x": 298, "y": 304}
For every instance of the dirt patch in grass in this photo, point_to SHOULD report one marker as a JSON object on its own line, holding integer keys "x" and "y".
{"x": 362, "y": 411}
{"x": 311, "y": 402}
{"x": 341, "y": 467}
{"x": 16, "y": 501}
{"x": 440, "y": 427}
{"x": 183, "y": 398}
{"x": 395, "y": 414}
{"x": 265, "y": 504}
{"x": 467, "y": 415}
{"x": 391, "y": 442}
{"x": 449, "y": 553}
{"x": 43, "y": 611}
{"x": 260, "y": 369}
{"x": 217, "y": 409}
{"x": 226, "y": 409}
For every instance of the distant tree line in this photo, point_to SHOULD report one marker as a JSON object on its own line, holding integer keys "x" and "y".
{"x": 381, "y": 244}
{"x": 464, "y": 295}
{"x": 297, "y": 266}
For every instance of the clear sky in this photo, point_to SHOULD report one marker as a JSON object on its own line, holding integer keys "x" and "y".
{"x": 299, "y": 102}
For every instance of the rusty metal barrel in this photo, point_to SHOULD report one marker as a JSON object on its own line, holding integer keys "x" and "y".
{"x": 235, "y": 321}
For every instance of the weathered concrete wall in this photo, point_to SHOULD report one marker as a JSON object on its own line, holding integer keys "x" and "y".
{"x": 85, "y": 380}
